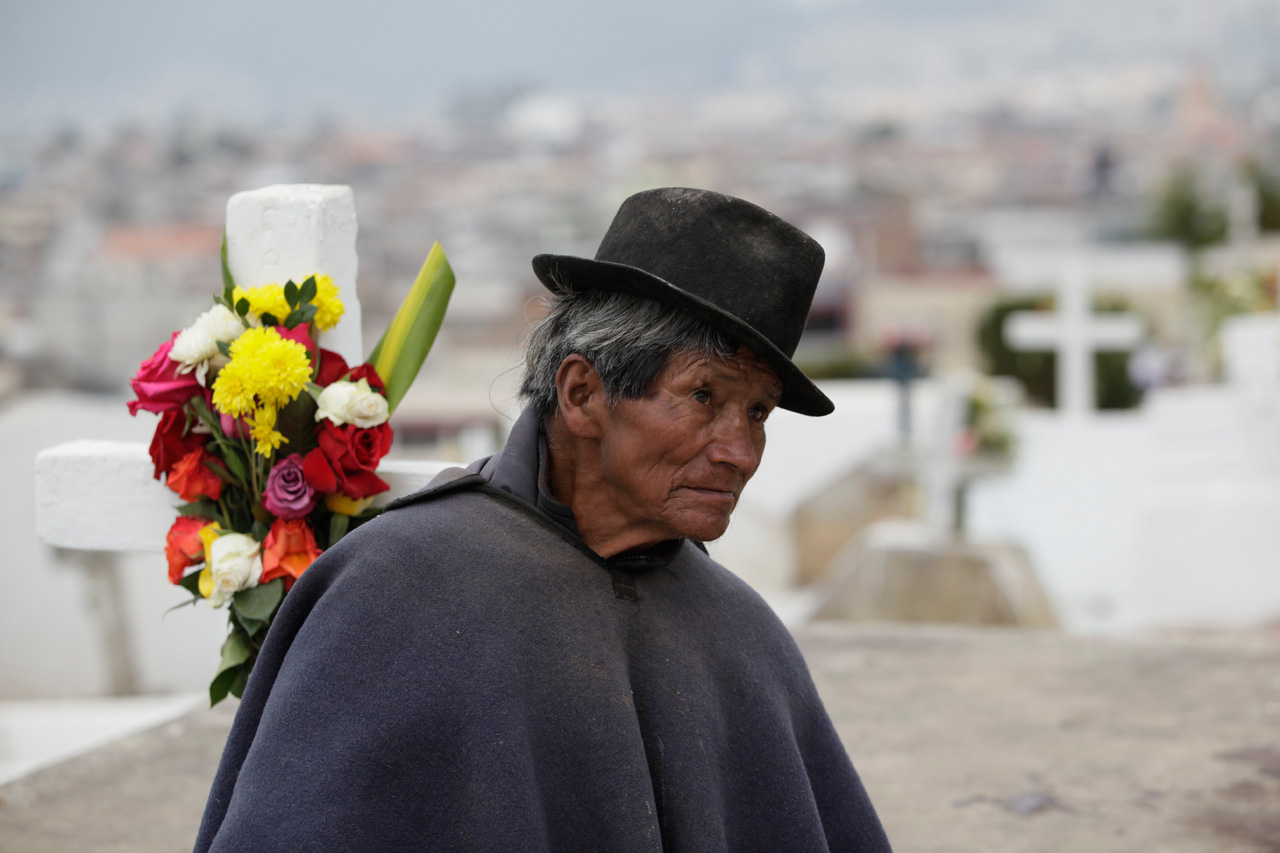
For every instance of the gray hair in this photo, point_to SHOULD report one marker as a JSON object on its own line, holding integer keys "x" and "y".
{"x": 628, "y": 340}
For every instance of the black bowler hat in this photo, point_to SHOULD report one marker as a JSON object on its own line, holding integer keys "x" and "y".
{"x": 731, "y": 264}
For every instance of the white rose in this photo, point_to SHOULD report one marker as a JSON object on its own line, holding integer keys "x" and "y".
{"x": 352, "y": 403}
{"x": 199, "y": 342}
{"x": 235, "y": 560}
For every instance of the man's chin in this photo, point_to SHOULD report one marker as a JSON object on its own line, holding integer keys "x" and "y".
{"x": 705, "y": 529}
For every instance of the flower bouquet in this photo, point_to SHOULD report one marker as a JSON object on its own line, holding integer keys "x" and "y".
{"x": 272, "y": 441}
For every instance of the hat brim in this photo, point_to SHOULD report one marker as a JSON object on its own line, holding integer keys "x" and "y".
{"x": 567, "y": 272}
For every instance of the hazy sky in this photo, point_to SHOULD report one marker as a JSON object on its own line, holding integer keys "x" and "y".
{"x": 380, "y": 54}
{"x": 102, "y": 60}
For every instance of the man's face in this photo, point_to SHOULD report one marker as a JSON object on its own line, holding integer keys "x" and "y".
{"x": 677, "y": 458}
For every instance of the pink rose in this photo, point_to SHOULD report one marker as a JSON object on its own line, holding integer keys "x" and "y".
{"x": 232, "y": 427}
{"x": 300, "y": 334}
{"x": 158, "y": 384}
{"x": 288, "y": 495}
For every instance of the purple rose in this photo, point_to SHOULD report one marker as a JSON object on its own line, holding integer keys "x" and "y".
{"x": 287, "y": 494}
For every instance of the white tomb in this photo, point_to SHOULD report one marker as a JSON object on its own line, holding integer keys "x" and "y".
{"x": 1160, "y": 517}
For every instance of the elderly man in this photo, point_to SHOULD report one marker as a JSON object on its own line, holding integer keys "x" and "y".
{"x": 536, "y": 653}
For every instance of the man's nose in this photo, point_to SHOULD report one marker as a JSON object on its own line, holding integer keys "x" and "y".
{"x": 736, "y": 442}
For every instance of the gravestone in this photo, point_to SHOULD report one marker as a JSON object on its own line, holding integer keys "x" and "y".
{"x": 96, "y": 498}
{"x": 1075, "y": 333}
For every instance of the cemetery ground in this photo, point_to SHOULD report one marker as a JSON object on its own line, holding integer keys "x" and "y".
{"x": 968, "y": 739}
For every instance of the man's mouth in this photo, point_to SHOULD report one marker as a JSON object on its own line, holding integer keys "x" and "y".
{"x": 729, "y": 495}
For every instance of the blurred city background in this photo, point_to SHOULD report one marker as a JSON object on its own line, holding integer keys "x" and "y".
{"x": 961, "y": 162}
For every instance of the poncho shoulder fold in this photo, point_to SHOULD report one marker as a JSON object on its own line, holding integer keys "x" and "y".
{"x": 462, "y": 673}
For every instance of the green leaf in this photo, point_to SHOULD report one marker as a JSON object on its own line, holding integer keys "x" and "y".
{"x": 308, "y": 290}
{"x": 297, "y": 423}
{"x": 337, "y": 527}
{"x": 291, "y": 294}
{"x": 224, "y": 348}
{"x": 201, "y": 410}
{"x": 228, "y": 282}
{"x": 240, "y": 681}
{"x": 242, "y": 307}
{"x": 253, "y": 626}
{"x": 204, "y": 509}
{"x": 260, "y": 602}
{"x": 191, "y": 583}
{"x": 269, "y": 319}
{"x": 235, "y": 463}
{"x": 190, "y": 602}
{"x": 218, "y": 468}
{"x": 235, "y": 651}
{"x": 220, "y": 685}
{"x": 404, "y": 346}
{"x": 298, "y": 316}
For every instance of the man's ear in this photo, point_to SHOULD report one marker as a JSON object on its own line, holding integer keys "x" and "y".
{"x": 580, "y": 395}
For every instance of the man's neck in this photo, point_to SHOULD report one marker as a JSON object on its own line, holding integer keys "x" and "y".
{"x": 577, "y": 480}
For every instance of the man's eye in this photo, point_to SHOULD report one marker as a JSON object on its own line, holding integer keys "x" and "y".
{"x": 759, "y": 413}
{"x": 702, "y": 395}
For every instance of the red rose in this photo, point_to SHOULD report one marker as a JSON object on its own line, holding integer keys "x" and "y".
{"x": 290, "y": 547}
{"x": 192, "y": 479}
{"x": 158, "y": 384}
{"x": 332, "y": 367}
{"x": 169, "y": 445}
{"x": 183, "y": 546}
{"x": 366, "y": 371}
{"x": 345, "y": 459}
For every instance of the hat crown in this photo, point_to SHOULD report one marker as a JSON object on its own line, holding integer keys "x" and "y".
{"x": 731, "y": 253}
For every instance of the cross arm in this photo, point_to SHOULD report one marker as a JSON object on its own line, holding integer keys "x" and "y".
{"x": 100, "y": 495}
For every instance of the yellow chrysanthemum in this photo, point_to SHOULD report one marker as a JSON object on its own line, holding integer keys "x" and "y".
{"x": 281, "y": 370}
{"x": 262, "y": 428}
{"x": 265, "y": 299}
{"x": 230, "y": 393}
{"x": 329, "y": 307}
{"x": 265, "y": 371}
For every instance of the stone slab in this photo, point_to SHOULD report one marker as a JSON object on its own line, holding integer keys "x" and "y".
{"x": 968, "y": 739}
{"x": 102, "y": 495}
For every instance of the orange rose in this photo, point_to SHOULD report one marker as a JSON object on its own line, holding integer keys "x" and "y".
{"x": 290, "y": 547}
{"x": 183, "y": 546}
{"x": 192, "y": 479}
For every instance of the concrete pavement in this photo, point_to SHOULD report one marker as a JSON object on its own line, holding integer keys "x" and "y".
{"x": 967, "y": 739}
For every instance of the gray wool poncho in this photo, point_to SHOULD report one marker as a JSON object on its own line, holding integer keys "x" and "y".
{"x": 463, "y": 673}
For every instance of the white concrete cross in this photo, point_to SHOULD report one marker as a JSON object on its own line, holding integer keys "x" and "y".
{"x": 1075, "y": 332}
{"x": 100, "y": 495}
